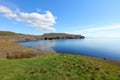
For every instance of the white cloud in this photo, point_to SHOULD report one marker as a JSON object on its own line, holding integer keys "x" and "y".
{"x": 104, "y": 31}
{"x": 5, "y": 9}
{"x": 104, "y": 28}
{"x": 34, "y": 19}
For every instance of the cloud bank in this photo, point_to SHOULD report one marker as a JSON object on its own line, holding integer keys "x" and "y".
{"x": 104, "y": 28}
{"x": 34, "y": 19}
{"x": 103, "y": 31}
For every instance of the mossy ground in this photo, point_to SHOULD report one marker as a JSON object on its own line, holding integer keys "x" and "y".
{"x": 58, "y": 67}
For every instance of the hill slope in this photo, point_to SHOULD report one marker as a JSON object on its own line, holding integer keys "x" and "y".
{"x": 8, "y": 33}
{"x": 58, "y": 67}
{"x": 61, "y": 36}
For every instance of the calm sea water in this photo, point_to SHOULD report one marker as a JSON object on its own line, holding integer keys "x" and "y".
{"x": 95, "y": 47}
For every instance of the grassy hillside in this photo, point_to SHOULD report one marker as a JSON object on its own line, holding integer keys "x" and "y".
{"x": 9, "y": 49}
{"x": 58, "y": 67}
{"x": 7, "y": 33}
{"x": 38, "y": 37}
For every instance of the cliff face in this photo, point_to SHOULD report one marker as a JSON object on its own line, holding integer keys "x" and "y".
{"x": 51, "y": 36}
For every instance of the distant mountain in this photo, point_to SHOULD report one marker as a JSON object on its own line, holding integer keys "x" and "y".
{"x": 61, "y": 36}
{"x": 8, "y": 33}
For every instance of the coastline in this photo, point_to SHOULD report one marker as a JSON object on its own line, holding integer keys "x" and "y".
{"x": 12, "y": 50}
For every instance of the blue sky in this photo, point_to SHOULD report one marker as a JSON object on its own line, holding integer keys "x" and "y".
{"x": 87, "y": 17}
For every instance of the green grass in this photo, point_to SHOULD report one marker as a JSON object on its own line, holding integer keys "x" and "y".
{"x": 58, "y": 67}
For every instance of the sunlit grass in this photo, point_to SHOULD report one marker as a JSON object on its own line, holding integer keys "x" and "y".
{"x": 58, "y": 67}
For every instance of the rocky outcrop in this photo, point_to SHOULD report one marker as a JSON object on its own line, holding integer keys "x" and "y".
{"x": 52, "y": 36}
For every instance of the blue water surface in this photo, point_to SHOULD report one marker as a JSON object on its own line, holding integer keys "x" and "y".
{"x": 95, "y": 47}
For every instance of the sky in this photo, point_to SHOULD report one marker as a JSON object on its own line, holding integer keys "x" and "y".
{"x": 91, "y": 18}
